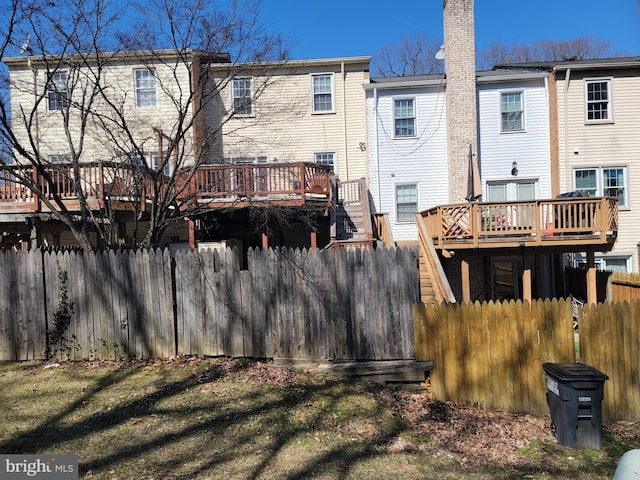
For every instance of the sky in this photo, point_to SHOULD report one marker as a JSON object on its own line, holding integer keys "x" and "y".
{"x": 348, "y": 28}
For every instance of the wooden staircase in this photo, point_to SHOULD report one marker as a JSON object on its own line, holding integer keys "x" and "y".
{"x": 351, "y": 215}
{"x": 434, "y": 284}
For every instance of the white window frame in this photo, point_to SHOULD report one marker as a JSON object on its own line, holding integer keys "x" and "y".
{"x": 248, "y": 160}
{"x": 145, "y": 85}
{"x": 155, "y": 160}
{"x": 59, "y": 158}
{"x": 511, "y": 189}
{"x": 57, "y": 91}
{"x": 408, "y": 117}
{"x": 398, "y": 186}
{"x": 242, "y": 97}
{"x": 601, "y": 262}
{"x": 326, "y": 158}
{"x": 511, "y": 112}
{"x": 315, "y": 93}
{"x": 623, "y": 202}
{"x": 608, "y": 101}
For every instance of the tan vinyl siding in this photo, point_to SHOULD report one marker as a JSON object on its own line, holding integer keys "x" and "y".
{"x": 119, "y": 81}
{"x": 614, "y": 144}
{"x": 284, "y": 128}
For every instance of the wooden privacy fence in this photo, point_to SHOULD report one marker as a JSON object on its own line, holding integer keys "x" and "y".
{"x": 624, "y": 286}
{"x": 298, "y": 304}
{"x": 491, "y": 354}
{"x": 343, "y": 304}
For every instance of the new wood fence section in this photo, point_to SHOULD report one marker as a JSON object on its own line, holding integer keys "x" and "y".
{"x": 298, "y": 304}
{"x": 624, "y": 286}
{"x": 491, "y": 354}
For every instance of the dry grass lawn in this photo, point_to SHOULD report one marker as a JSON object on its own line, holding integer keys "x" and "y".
{"x": 230, "y": 419}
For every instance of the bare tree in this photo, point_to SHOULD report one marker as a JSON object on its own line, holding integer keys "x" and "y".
{"x": 80, "y": 101}
{"x": 412, "y": 56}
{"x": 545, "y": 51}
{"x": 416, "y": 56}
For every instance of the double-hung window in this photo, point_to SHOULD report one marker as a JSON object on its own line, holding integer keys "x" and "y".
{"x": 145, "y": 80}
{"x": 406, "y": 202}
{"x": 157, "y": 160}
{"x": 598, "y": 101}
{"x": 602, "y": 181}
{"x": 325, "y": 158}
{"x": 57, "y": 97}
{"x": 322, "y": 88}
{"x": 241, "y": 94}
{"x": 511, "y": 112}
{"x": 404, "y": 117}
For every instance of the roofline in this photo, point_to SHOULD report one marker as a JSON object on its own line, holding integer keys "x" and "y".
{"x": 313, "y": 62}
{"x": 629, "y": 62}
{"x": 590, "y": 64}
{"x": 437, "y": 80}
{"x": 222, "y": 57}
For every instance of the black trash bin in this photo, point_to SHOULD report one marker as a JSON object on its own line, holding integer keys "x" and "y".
{"x": 574, "y": 395}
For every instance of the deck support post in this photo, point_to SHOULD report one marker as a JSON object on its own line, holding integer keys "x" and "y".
{"x": 526, "y": 278}
{"x": 314, "y": 240}
{"x": 466, "y": 282}
{"x": 192, "y": 234}
{"x": 265, "y": 241}
{"x": 35, "y": 234}
{"x": 592, "y": 291}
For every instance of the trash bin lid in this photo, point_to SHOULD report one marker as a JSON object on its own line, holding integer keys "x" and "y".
{"x": 573, "y": 372}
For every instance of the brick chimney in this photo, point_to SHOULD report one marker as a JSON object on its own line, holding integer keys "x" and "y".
{"x": 460, "y": 71}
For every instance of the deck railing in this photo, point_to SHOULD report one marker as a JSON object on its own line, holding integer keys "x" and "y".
{"x": 125, "y": 183}
{"x": 536, "y": 222}
{"x": 66, "y": 182}
{"x": 254, "y": 182}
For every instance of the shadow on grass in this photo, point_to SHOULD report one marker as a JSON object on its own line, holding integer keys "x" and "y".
{"x": 258, "y": 424}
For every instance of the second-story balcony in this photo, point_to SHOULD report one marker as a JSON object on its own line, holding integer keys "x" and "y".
{"x": 121, "y": 185}
{"x": 286, "y": 184}
{"x": 565, "y": 223}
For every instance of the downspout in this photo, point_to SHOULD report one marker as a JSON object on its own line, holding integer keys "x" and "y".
{"x": 377, "y": 144}
{"x": 549, "y": 166}
{"x": 344, "y": 119}
{"x": 566, "y": 130}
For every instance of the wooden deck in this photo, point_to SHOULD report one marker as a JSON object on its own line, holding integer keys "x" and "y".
{"x": 123, "y": 185}
{"x": 285, "y": 184}
{"x": 559, "y": 223}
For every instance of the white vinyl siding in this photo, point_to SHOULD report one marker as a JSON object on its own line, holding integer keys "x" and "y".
{"x": 421, "y": 159}
{"x": 530, "y": 148}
